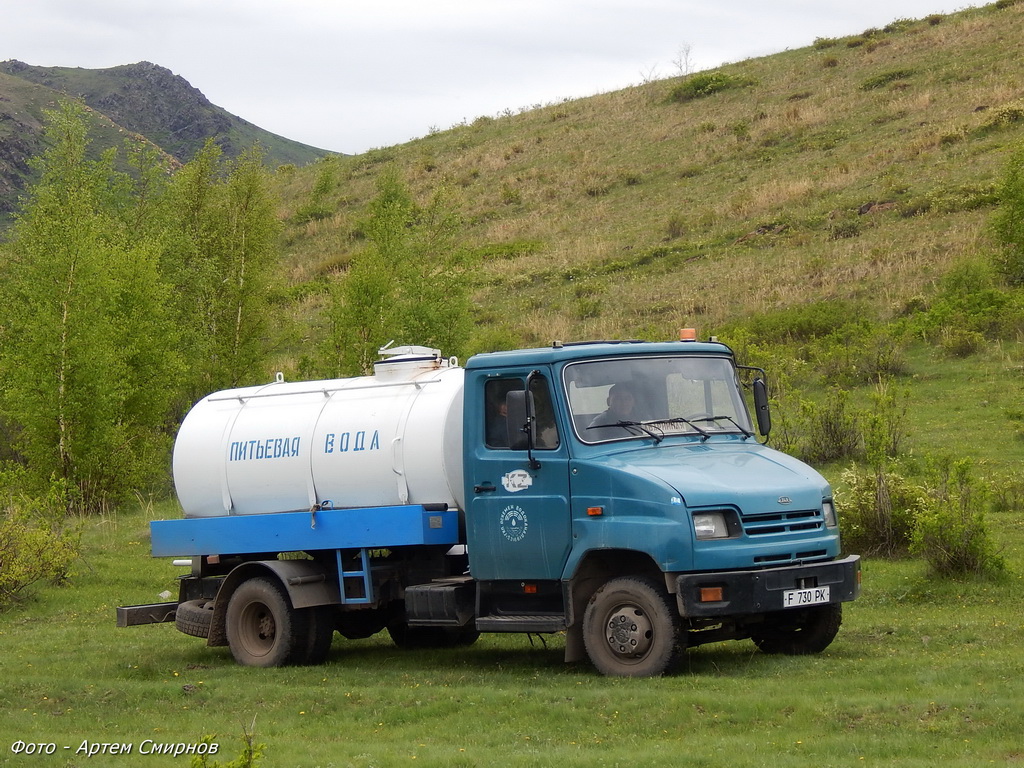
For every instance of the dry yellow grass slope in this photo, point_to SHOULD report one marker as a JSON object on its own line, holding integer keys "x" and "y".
{"x": 630, "y": 213}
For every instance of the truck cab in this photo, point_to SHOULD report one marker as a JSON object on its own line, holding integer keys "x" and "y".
{"x": 629, "y": 502}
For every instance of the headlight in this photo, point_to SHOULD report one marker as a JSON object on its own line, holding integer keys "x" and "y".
{"x": 829, "y": 510}
{"x": 711, "y": 525}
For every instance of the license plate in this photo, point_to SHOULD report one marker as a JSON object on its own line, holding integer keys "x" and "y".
{"x": 794, "y": 598}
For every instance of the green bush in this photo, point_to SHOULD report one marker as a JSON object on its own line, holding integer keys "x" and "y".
{"x": 36, "y": 545}
{"x": 959, "y": 342}
{"x": 701, "y": 84}
{"x": 1008, "y": 222}
{"x": 966, "y": 197}
{"x": 860, "y": 354}
{"x": 831, "y": 429}
{"x": 883, "y": 79}
{"x": 844, "y": 229}
{"x": 250, "y": 756}
{"x": 1003, "y": 116}
{"x": 804, "y": 322}
{"x": 970, "y": 300}
{"x": 879, "y": 510}
{"x": 951, "y": 533}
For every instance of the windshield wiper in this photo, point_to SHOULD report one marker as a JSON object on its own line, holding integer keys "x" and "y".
{"x": 746, "y": 433}
{"x": 643, "y": 426}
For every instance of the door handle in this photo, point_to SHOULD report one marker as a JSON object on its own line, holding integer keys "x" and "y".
{"x": 484, "y": 488}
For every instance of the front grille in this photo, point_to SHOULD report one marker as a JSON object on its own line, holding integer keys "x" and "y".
{"x": 800, "y": 521}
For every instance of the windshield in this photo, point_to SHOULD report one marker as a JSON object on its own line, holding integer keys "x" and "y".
{"x": 655, "y": 397}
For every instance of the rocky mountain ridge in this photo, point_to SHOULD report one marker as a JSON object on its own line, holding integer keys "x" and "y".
{"x": 142, "y": 98}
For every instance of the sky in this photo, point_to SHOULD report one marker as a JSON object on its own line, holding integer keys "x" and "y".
{"x": 353, "y": 75}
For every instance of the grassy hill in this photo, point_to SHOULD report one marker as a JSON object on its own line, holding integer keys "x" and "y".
{"x": 142, "y": 99}
{"x": 859, "y": 168}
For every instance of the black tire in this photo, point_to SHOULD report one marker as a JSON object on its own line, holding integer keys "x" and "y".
{"x": 262, "y": 627}
{"x": 631, "y": 629}
{"x": 321, "y": 621}
{"x": 408, "y": 637}
{"x": 799, "y": 632}
{"x": 194, "y": 618}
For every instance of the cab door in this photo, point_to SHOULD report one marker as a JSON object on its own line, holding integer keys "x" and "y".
{"x": 517, "y": 520}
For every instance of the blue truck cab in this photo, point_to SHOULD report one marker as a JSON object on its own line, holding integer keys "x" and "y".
{"x": 630, "y": 503}
{"x": 616, "y": 492}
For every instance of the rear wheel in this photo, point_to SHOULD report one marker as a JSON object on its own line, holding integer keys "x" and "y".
{"x": 263, "y": 629}
{"x": 799, "y": 632}
{"x": 321, "y": 621}
{"x": 631, "y": 629}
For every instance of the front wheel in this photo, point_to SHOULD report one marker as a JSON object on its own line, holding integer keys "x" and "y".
{"x": 799, "y": 632}
{"x": 631, "y": 629}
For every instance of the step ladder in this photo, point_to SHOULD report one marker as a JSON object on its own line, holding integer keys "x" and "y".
{"x": 359, "y": 578}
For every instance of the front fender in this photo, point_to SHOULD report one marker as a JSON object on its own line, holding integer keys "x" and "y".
{"x": 666, "y": 541}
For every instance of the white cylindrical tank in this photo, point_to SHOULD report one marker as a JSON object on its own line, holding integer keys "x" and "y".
{"x": 387, "y": 439}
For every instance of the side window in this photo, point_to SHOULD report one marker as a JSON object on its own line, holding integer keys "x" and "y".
{"x": 547, "y": 431}
{"x": 496, "y": 415}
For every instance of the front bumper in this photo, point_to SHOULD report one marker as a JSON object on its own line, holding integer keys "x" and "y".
{"x": 756, "y": 592}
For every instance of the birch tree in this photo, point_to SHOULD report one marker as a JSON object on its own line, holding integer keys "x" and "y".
{"x": 85, "y": 352}
{"x": 409, "y": 285}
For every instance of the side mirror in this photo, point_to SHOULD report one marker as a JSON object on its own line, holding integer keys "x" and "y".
{"x": 519, "y": 424}
{"x": 762, "y": 411}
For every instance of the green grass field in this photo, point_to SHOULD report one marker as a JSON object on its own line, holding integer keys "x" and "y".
{"x": 923, "y": 673}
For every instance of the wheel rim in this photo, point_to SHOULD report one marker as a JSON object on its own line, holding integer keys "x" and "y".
{"x": 258, "y": 629}
{"x": 629, "y": 632}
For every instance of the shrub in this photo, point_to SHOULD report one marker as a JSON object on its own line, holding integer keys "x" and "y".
{"x": 36, "y": 544}
{"x": 1003, "y": 116}
{"x": 844, "y": 229}
{"x": 702, "y": 84}
{"x": 970, "y": 300}
{"x": 885, "y": 425}
{"x": 1008, "y": 222}
{"x": 958, "y": 342}
{"x": 885, "y": 78}
{"x": 317, "y": 207}
{"x": 966, "y": 197}
{"x": 879, "y": 509}
{"x": 250, "y": 756}
{"x": 832, "y": 429}
{"x": 676, "y": 226}
{"x": 951, "y": 534}
{"x": 860, "y": 354}
{"x": 1008, "y": 491}
{"x": 899, "y": 25}
{"x": 804, "y": 322}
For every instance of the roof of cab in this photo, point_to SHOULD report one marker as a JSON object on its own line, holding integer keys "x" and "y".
{"x": 561, "y": 352}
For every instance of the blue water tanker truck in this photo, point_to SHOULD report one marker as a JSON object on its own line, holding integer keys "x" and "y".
{"x": 616, "y": 492}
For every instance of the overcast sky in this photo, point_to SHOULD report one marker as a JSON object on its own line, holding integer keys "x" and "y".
{"x": 351, "y": 75}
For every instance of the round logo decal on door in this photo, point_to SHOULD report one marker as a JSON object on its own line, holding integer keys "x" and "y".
{"x": 513, "y": 523}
